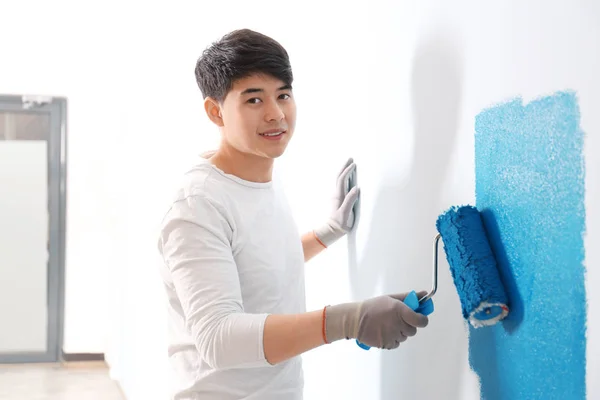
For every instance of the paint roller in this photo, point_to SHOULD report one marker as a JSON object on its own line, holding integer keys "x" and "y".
{"x": 473, "y": 268}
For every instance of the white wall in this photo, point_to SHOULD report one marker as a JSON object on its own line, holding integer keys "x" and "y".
{"x": 395, "y": 84}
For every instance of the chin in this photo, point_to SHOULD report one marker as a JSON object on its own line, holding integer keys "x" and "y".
{"x": 273, "y": 150}
{"x": 274, "y": 154}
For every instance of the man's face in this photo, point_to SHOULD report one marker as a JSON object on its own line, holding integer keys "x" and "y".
{"x": 258, "y": 116}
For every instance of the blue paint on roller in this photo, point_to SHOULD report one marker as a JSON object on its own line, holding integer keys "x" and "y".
{"x": 530, "y": 191}
{"x": 472, "y": 266}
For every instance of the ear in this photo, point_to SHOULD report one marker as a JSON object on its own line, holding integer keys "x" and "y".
{"x": 213, "y": 111}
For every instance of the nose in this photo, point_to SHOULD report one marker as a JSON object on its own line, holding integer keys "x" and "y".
{"x": 273, "y": 112}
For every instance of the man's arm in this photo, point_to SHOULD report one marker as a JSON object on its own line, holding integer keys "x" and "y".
{"x": 195, "y": 245}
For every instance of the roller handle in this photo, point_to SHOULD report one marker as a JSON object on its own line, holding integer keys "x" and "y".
{"x": 413, "y": 302}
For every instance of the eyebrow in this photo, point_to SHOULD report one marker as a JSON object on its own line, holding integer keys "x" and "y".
{"x": 256, "y": 90}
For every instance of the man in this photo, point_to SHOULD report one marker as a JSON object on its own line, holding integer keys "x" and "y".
{"x": 233, "y": 258}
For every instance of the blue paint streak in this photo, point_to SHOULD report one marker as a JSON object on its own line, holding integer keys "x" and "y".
{"x": 530, "y": 190}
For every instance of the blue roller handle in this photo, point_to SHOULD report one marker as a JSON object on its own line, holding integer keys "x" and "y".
{"x": 412, "y": 301}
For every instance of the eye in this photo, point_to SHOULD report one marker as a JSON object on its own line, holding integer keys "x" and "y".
{"x": 285, "y": 96}
{"x": 253, "y": 100}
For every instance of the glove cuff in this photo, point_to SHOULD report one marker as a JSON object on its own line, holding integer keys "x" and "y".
{"x": 341, "y": 321}
{"x": 328, "y": 234}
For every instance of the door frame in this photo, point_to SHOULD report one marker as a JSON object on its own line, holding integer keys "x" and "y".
{"x": 56, "y": 107}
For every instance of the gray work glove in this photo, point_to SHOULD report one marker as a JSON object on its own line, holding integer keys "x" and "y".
{"x": 383, "y": 321}
{"x": 344, "y": 215}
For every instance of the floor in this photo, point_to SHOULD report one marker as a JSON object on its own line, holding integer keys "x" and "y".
{"x": 69, "y": 381}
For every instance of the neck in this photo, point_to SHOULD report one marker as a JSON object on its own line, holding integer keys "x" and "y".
{"x": 245, "y": 166}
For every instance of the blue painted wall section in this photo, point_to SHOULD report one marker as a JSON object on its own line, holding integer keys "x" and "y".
{"x": 530, "y": 191}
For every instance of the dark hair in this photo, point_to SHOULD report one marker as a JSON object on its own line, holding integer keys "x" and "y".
{"x": 237, "y": 55}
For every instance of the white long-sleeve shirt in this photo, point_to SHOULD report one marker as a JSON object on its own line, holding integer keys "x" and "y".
{"x": 232, "y": 255}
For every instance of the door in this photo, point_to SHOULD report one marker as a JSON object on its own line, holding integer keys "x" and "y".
{"x": 32, "y": 228}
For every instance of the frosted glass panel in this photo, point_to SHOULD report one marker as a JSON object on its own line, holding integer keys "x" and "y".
{"x": 24, "y": 126}
{"x": 23, "y": 246}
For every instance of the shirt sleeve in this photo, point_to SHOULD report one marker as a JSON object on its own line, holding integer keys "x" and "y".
{"x": 195, "y": 242}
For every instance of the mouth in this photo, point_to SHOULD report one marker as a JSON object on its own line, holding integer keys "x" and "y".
{"x": 274, "y": 133}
